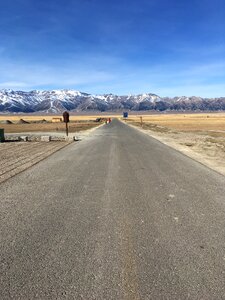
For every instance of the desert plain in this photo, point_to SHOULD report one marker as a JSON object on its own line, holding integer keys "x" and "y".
{"x": 45, "y": 123}
{"x": 198, "y": 135}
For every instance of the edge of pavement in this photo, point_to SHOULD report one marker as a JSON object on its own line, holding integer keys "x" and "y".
{"x": 182, "y": 149}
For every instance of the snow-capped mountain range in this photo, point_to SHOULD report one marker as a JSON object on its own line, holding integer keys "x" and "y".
{"x": 60, "y": 100}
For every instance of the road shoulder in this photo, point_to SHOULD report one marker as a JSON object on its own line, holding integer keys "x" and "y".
{"x": 193, "y": 146}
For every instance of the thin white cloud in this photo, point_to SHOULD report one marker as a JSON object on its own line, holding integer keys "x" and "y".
{"x": 13, "y": 84}
{"x": 207, "y": 91}
{"x": 33, "y": 76}
{"x": 105, "y": 74}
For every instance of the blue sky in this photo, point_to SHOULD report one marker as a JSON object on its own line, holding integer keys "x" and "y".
{"x": 165, "y": 47}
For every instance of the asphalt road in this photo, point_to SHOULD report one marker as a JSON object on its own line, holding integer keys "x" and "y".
{"x": 116, "y": 216}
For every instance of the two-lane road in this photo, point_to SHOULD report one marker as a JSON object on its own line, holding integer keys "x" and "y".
{"x": 116, "y": 216}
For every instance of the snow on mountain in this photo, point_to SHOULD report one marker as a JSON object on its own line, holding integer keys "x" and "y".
{"x": 55, "y": 101}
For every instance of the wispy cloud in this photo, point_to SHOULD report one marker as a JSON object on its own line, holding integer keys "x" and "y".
{"x": 13, "y": 85}
{"x": 63, "y": 75}
{"x": 102, "y": 73}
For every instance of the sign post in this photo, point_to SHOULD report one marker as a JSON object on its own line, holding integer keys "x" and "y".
{"x": 2, "y": 137}
{"x": 66, "y": 119}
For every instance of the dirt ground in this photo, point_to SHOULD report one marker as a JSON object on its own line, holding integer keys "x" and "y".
{"x": 74, "y": 126}
{"x": 15, "y": 157}
{"x": 200, "y": 136}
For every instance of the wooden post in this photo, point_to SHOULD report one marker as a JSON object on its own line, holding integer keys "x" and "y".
{"x": 2, "y": 137}
{"x": 66, "y": 119}
{"x": 141, "y": 121}
{"x": 66, "y": 128}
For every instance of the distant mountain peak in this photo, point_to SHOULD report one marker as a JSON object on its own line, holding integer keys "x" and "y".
{"x": 54, "y": 101}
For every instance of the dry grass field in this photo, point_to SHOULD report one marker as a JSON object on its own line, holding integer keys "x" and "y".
{"x": 200, "y": 136}
{"x": 47, "y": 127}
{"x": 185, "y": 122}
{"x": 32, "y": 117}
{"x": 44, "y": 123}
